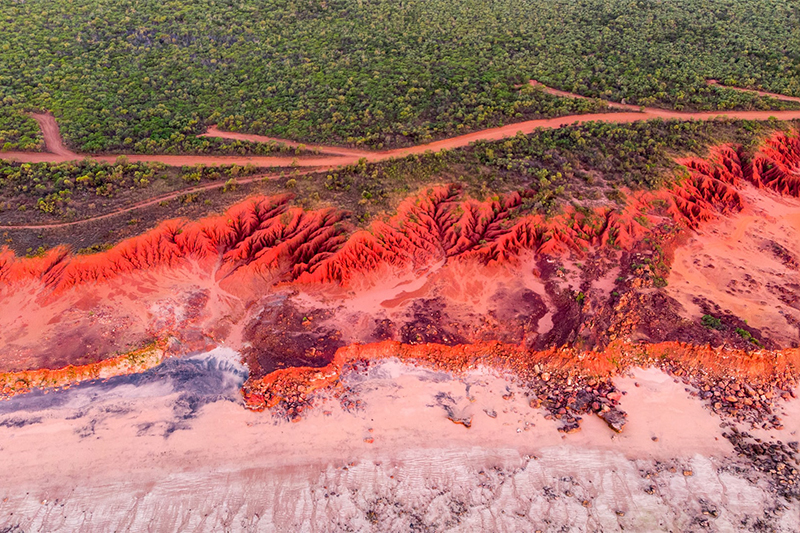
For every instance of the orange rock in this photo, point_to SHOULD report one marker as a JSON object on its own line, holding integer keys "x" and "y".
{"x": 13, "y": 383}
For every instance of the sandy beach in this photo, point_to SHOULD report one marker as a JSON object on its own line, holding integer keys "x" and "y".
{"x": 174, "y": 449}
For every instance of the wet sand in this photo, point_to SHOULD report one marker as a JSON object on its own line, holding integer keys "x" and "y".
{"x": 391, "y": 446}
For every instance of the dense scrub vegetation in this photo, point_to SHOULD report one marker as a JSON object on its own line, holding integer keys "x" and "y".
{"x": 61, "y": 189}
{"x": 18, "y": 131}
{"x": 139, "y": 75}
{"x": 180, "y": 143}
{"x": 586, "y": 165}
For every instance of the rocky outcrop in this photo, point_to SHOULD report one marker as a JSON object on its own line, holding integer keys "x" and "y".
{"x": 13, "y": 383}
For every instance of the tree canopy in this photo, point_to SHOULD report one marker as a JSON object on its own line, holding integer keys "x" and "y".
{"x": 142, "y": 75}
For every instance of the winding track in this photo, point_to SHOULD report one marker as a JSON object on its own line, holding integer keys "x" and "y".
{"x": 760, "y": 93}
{"x": 565, "y": 94}
{"x": 143, "y": 203}
{"x": 337, "y": 156}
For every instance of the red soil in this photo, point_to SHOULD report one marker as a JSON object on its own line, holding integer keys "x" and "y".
{"x": 777, "y": 165}
{"x": 760, "y": 93}
{"x": 442, "y": 226}
{"x": 493, "y": 134}
{"x": 186, "y": 160}
{"x": 264, "y": 241}
{"x": 52, "y": 137}
{"x": 565, "y": 94}
{"x": 758, "y": 369}
{"x": 144, "y": 203}
{"x": 269, "y": 237}
{"x": 213, "y": 131}
{"x": 266, "y": 236}
{"x": 345, "y": 156}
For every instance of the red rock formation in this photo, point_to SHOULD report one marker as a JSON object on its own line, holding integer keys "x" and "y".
{"x": 437, "y": 225}
{"x": 262, "y": 235}
{"x": 777, "y": 164}
{"x": 270, "y": 238}
{"x": 702, "y": 365}
{"x": 13, "y": 383}
{"x": 301, "y": 381}
{"x": 441, "y": 225}
{"x": 710, "y": 187}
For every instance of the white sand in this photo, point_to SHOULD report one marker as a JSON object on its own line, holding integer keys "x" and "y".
{"x": 101, "y": 461}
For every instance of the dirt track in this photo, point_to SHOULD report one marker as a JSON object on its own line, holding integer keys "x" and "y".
{"x": 565, "y": 94}
{"x": 333, "y": 157}
{"x": 336, "y": 156}
{"x": 144, "y": 203}
{"x": 760, "y": 93}
{"x": 493, "y": 134}
{"x": 213, "y": 131}
{"x": 52, "y": 137}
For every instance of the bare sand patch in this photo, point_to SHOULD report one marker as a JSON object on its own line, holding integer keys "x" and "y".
{"x": 133, "y": 458}
{"x": 746, "y": 263}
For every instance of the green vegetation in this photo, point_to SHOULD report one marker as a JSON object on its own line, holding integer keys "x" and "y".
{"x": 146, "y": 75}
{"x": 93, "y": 249}
{"x": 582, "y": 165}
{"x": 53, "y": 188}
{"x": 631, "y": 155}
{"x": 712, "y": 322}
{"x": 18, "y": 132}
{"x": 746, "y": 335}
{"x": 181, "y": 143}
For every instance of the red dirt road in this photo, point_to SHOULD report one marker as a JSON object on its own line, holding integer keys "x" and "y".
{"x": 760, "y": 93}
{"x": 143, "y": 203}
{"x": 213, "y": 131}
{"x": 57, "y": 152}
{"x": 502, "y": 132}
{"x": 185, "y": 160}
{"x": 52, "y": 137}
{"x": 565, "y": 94}
{"x": 343, "y": 156}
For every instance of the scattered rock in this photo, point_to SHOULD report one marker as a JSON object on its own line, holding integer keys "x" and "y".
{"x": 615, "y": 418}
